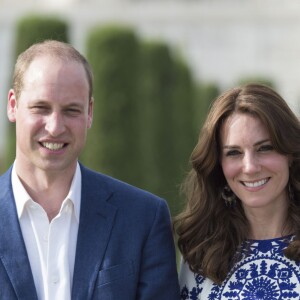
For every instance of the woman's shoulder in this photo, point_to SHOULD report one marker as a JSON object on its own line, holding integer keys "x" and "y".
{"x": 192, "y": 285}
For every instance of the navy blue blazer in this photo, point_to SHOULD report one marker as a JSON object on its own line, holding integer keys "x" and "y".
{"x": 124, "y": 251}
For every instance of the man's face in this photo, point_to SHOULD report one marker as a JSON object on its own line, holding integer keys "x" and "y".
{"x": 52, "y": 115}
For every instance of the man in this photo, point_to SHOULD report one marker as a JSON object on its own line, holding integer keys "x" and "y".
{"x": 68, "y": 232}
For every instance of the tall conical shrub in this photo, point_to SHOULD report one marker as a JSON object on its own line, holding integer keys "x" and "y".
{"x": 166, "y": 120}
{"x": 206, "y": 94}
{"x": 112, "y": 145}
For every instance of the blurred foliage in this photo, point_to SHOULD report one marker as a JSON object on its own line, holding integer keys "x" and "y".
{"x": 206, "y": 94}
{"x": 29, "y": 30}
{"x": 166, "y": 109}
{"x": 142, "y": 130}
{"x": 35, "y": 28}
{"x": 112, "y": 144}
{"x": 257, "y": 79}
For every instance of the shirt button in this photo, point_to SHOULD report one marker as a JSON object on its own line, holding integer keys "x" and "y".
{"x": 55, "y": 279}
{"x": 69, "y": 208}
{"x": 33, "y": 206}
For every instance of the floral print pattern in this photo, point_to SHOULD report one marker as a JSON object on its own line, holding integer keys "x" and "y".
{"x": 262, "y": 273}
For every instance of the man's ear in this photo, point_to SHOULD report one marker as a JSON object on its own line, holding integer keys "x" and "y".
{"x": 11, "y": 106}
{"x": 90, "y": 113}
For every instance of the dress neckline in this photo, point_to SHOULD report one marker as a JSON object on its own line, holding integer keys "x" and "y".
{"x": 286, "y": 237}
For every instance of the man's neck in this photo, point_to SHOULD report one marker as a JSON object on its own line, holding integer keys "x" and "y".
{"x": 49, "y": 189}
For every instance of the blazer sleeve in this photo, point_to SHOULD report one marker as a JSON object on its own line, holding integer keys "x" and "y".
{"x": 158, "y": 277}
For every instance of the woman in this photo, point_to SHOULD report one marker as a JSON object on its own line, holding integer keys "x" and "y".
{"x": 239, "y": 234}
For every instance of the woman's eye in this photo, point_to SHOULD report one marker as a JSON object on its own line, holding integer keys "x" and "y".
{"x": 232, "y": 153}
{"x": 265, "y": 148}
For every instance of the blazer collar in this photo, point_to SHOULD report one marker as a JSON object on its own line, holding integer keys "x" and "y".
{"x": 13, "y": 253}
{"x": 95, "y": 225}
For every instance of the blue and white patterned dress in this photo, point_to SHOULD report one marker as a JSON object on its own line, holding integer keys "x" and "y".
{"x": 263, "y": 273}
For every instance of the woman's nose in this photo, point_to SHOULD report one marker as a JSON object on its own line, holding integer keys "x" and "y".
{"x": 251, "y": 163}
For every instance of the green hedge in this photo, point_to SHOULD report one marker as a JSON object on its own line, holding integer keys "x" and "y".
{"x": 143, "y": 112}
{"x": 166, "y": 110}
{"x": 36, "y": 28}
{"x": 112, "y": 145}
{"x": 206, "y": 94}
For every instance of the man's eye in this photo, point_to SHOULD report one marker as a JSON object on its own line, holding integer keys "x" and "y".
{"x": 73, "y": 111}
{"x": 38, "y": 108}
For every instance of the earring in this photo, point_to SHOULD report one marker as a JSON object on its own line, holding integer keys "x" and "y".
{"x": 290, "y": 191}
{"x": 228, "y": 196}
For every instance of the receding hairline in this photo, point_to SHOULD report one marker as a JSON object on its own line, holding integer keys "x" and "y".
{"x": 56, "y": 48}
{"x": 51, "y": 48}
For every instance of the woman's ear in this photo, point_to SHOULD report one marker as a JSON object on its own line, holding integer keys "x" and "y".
{"x": 290, "y": 160}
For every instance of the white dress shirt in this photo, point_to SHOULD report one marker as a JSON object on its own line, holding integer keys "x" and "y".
{"x": 50, "y": 246}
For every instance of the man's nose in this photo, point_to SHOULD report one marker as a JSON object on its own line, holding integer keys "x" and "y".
{"x": 55, "y": 124}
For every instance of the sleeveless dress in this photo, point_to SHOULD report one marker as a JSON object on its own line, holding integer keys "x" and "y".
{"x": 262, "y": 273}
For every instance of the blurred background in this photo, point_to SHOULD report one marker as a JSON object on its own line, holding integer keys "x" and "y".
{"x": 158, "y": 64}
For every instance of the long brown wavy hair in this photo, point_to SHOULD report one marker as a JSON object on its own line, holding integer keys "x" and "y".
{"x": 209, "y": 232}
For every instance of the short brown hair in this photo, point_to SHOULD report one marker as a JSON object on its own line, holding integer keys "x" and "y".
{"x": 49, "y": 47}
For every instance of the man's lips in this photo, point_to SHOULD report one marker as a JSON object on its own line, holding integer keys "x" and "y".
{"x": 53, "y": 146}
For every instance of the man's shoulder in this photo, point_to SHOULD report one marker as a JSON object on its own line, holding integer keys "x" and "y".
{"x": 5, "y": 177}
{"x": 119, "y": 188}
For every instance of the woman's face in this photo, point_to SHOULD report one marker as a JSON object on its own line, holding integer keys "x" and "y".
{"x": 255, "y": 172}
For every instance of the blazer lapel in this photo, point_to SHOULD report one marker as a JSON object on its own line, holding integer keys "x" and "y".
{"x": 13, "y": 253}
{"x": 96, "y": 221}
